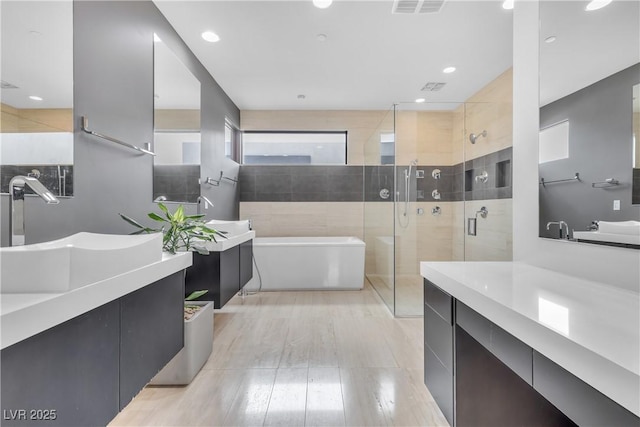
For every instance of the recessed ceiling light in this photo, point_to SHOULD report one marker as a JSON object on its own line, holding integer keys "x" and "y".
{"x": 596, "y": 4}
{"x": 301, "y": 96}
{"x": 550, "y": 39}
{"x": 35, "y": 33}
{"x": 322, "y": 4}
{"x": 35, "y": 98}
{"x": 156, "y": 39}
{"x": 508, "y": 4}
{"x": 449, "y": 70}
{"x": 321, "y": 37}
{"x": 210, "y": 36}
{"x": 419, "y": 100}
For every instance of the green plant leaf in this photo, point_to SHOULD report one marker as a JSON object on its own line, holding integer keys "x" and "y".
{"x": 178, "y": 215}
{"x": 195, "y": 295}
{"x": 156, "y": 217}
{"x": 131, "y": 221}
{"x": 194, "y": 216}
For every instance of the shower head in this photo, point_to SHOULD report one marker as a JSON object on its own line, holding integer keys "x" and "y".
{"x": 473, "y": 137}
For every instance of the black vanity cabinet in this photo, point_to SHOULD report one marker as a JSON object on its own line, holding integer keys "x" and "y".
{"x": 480, "y": 375}
{"x": 438, "y": 347}
{"x": 84, "y": 371}
{"x": 223, "y": 274}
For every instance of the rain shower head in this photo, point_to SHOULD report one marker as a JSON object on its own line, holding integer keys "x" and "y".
{"x": 473, "y": 137}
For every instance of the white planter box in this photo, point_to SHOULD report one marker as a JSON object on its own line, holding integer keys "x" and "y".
{"x": 198, "y": 343}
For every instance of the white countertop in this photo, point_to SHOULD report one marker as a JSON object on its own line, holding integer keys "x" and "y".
{"x": 24, "y": 315}
{"x": 590, "y": 329}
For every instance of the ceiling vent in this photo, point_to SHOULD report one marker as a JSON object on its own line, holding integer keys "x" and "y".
{"x": 7, "y": 85}
{"x": 433, "y": 86}
{"x": 416, "y": 6}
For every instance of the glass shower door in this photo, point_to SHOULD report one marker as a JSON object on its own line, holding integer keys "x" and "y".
{"x": 379, "y": 187}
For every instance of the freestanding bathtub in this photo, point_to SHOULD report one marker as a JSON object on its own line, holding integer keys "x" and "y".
{"x": 307, "y": 263}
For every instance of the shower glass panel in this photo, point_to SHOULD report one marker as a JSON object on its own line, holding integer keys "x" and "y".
{"x": 429, "y": 207}
{"x": 379, "y": 190}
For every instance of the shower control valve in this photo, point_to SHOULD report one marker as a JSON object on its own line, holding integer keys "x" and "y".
{"x": 384, "y": 193}
{"x": 435, "y": 194}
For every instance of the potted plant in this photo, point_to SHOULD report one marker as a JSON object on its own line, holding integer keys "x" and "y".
{"x": 181, "y": 232}
{"x": 198, "y": 343}
{"x": 185, "y": 233}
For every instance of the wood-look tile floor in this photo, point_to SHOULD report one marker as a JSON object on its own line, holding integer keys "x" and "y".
{"x": 320, "y": 358}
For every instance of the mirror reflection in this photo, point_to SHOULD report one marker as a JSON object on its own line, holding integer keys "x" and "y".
{"x": 176, "y": 168}
{"x": 589, "y": 64}
{"x": 37, "y": 94}
{"x": 635, "y": 196}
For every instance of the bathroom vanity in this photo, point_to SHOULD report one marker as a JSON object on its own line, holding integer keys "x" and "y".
{"x": 227, "y": 267}
{"x": 512, "y": 344}
{"x": 78, "y": 356}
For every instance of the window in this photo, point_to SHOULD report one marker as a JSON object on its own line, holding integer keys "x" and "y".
{"x": 294, "y": 147}
{"x": 231, "y": 145}
{"x": 554, "y": 142}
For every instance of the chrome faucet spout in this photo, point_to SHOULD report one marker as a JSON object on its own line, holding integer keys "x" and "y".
{"x": 16, "y": 204}
{"x": 561, "y": 224}
{"x": 200, "y": 199}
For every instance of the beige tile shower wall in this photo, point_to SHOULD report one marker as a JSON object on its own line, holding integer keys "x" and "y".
{"x": 490, "y": 109}
{"x": 493, "y": 241}
{"x": 360, "y": 125}
{"x": 426, "y": 237}
{"x": 424, "y": 135}
{"x": 378, "y": 220}
{"x": 288, "y": 219}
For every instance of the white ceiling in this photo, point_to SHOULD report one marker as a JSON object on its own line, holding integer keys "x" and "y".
{"x": 269, "y": 54}
{"x": 589, "y": 46}
{"x": 37, "y": 53}
{"x": 371, "y": 59}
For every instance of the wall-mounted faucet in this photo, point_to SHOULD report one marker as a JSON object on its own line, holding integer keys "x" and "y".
{"x": 560, "y": 224}
{"x": 207, "y": 203}
{"x": 16, "y": 205}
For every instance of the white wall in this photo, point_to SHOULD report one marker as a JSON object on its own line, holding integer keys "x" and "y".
{"x": 43, "y": 148}
{"x": 615, "y": 266}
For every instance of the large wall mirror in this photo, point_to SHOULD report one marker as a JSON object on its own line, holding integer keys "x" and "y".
{"x": 176, "y": 168}
{"x": 589, "y": 66}
{"x": 37, "y": 93}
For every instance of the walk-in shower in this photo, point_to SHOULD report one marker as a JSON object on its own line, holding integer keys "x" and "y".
{"x": 430, "y": 164}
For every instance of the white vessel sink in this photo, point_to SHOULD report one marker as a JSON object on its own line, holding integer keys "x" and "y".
{"x": 232, "y": 228}
{"x": 624, "y": 232}
{"x": 620, "y": 227}
{"x": 236, "y": 232}
{"x": 75, "y": 261}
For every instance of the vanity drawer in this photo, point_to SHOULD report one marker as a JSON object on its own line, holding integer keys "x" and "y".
{"x": 438, "y": 336}
{"x": 439, "y": 381}
{"x": 440, "y": 301}
{"x": 511, "y": 351}
{"x": 582, "y": 403}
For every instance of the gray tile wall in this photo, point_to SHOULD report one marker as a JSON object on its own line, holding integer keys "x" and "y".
{"x": 178, "y": 183}
{"x": 301, "y": 183}
{"x": 48, "y": 177}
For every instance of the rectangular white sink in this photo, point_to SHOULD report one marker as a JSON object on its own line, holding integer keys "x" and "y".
{"x": 75, "y": 261}
{"x": 231, "y": 228}
{"x": 235, "y": 232}
{"x": 631, "y": 228}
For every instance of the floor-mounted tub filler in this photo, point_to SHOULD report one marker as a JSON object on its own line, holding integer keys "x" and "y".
{"x": 308, "y": 263}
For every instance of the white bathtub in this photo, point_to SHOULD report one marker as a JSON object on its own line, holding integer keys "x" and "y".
{"x": 308, "y": 263}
